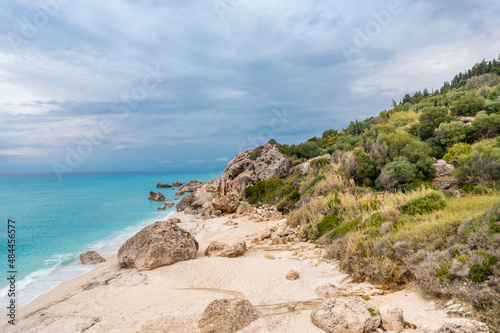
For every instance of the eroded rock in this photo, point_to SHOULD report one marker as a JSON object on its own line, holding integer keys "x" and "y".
{"x": 228, "y": 250}
{"x": 159, "y": 244}
{"x": 227, "y": 315}
{"x": 91, "y": 257}
{"x": 156, "y": 196}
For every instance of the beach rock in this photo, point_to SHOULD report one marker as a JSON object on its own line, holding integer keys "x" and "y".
{"x": 156, "y": 196}
{"x": 228, "y": 250}
{"x": 176, "y": 184}
{"x": 194, "y": 203}
{"x": 249, "y": 167}
{"x": 226, "y": 204}
{"x": 161, "y": 208}
{"x": 443, "y": 168}
{"x": 327, "y": 291}
{"x": 464, "y": 326}
{"x": 345, "y": 315}
{"x": 292, "y": 275}
{"x": 159, "y": 244}
{"x": 91, "y": 257}
{"x": 161, "y": 185}
{"x": 227, "y": 316}
{"x": 191, "y": 186}
{"x": 169, "y": 204}
{"x": 179, "y": 192}
{"x": 392, "y": 319}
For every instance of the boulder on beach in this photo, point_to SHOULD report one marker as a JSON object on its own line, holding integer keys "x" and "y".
{"x": 156, "y": 196}
{"x": 161, "y": 185}
{"x": 292, "y": 275}
{"x": 347, "y": 315}
{"x": 176, "y": 184}
{"x": 392, "y": 319}
{"x": 228, "y": 250}
{"x": 91, "y": 257}
{"x": 227, "y": 315}
{"x": 159, "y": 244}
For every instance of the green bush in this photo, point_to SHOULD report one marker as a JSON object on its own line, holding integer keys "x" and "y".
{"x": 426, "y": 204}
{"x": 294, "y": 196}
{"x": 487, "y": 126}
{"x": 468, "y": 105}
{"x": 347, "y": 227}
{"x": 397, "y": 173}
{"x": 479, "y": 273}
{"x": 329, "y": 222}
{"x": 264, "y": 191}
{"x": 430, "y": 119}
{"x": 450, "y": 133}
{"x": 256, "y": 153}
{"x": 458, "y": 150}
{"x": 443, "y": 273}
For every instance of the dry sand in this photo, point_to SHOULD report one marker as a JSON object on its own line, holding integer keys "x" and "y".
{"x": 173, "y": 298}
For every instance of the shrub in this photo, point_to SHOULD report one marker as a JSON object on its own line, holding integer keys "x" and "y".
{"x": 426, "y": 204}
{"x": 479, "y": 273}
{"x": 256, "y": 153}
{"x": 487, "y": 126}
{"x": 396, "y": 173}
{"x": 450, "y": 133}
{"x": 468, "y": 105}
{"x": 430, "y": 119}
{"x": 458, "y": 150}
{"x": 484, "y": 80}
{"x": 328, "y": 223}
{"x": 347, "y": 227}
{"x": 264, "y": 191}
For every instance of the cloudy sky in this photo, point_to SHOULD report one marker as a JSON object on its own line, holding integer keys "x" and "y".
{"x": 185, "y": 85}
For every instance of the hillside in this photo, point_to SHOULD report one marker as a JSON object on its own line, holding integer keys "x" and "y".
{"x": 410, "y": 195}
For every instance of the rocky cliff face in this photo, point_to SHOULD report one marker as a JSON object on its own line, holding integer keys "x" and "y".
{"x": 226, "y": 193}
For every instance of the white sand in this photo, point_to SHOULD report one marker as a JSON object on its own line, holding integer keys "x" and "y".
{"x": 173, "y": 298}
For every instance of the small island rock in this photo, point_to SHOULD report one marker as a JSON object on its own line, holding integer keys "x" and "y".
{"x": 156, "y": 196}
{"x": 161, "y": 185}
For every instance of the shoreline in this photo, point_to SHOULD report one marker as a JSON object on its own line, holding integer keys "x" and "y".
{"x": 172, "y": 298}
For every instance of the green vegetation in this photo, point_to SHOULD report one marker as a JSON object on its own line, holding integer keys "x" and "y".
{"x": 377, "y": 208}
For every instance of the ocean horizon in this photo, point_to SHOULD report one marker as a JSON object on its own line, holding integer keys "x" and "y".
{"x": 57, "y": 220}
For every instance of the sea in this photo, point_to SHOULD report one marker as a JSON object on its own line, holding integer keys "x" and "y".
{"x": 57, "y": 220}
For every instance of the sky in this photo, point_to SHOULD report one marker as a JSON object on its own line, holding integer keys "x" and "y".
{"x": 155, "y": 85}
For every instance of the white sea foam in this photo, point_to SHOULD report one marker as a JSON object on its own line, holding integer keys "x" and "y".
{"x": 62, "y": 267}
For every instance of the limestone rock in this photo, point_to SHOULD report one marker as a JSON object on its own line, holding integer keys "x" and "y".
{"x": 249, "y": 167}
{"x": 226, "y": 204}
{"x": 443, "y": 168}
{"x": 156, "y": 196}
{"x": 193, "y": 203}
{"x": 445, "y": 183}
{"x": 169, "y": 204}
{"x": 176, "y": 184}
{"x": 392, "y": 319}
{"x": 306, "y": 166}
{"x": 292, "y": 275}
{"x": 327, "y": 291}
{"x": 161, "y": 208}
{"x": 464, "y": 326}
{"x": 161, "y": 185}
{"x": 159, "y": 244}
{"x": 191, "y": 186}
{"x": 91, "y": 257}
{"x": 227, "y": 316}
{"x": 179, "y": 192}
{"x": 228, "y": 250}
{"x": 345, "y": 315}
{"x": 175, "y": 220}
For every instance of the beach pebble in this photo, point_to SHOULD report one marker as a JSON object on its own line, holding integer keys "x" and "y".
{"x": 269, "y": 256}
{"x": 292, "y": 275}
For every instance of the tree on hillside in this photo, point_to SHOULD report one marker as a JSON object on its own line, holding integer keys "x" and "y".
{"x": 430, "y": 119}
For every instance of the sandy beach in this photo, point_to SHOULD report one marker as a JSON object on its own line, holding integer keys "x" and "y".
{"x": 172, "y": 298}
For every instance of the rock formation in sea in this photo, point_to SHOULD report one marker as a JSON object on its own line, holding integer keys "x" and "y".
{"x": 162, "y": 185}
{"x": 176, "y": 184}
{"x": 156, "y": 196}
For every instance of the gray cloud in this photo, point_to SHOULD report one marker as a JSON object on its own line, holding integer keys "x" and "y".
{"x": 230, "y": 67}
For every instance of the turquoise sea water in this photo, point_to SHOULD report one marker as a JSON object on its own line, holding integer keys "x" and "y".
{"x": 56, "y": 221}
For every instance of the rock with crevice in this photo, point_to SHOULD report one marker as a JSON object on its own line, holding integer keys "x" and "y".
{"x": 227, "y": 316}
{"x": 345, "y": 315}
{"x": 228, "y": 250}
{"x": 159, "y": 244}
{"x": 392, "y": 319}
{"x": 91, "y": 257}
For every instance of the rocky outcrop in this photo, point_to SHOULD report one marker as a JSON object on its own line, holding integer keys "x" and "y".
{"x": 200, "y": 202}
{"x": 346, "y": 315}
{"x": 226, "y": 204}
{"x": 228, "y": 250}
{"x": 306, "y": 166}
{"x": 156, "y": 196}
{"x": 464, "y": 326}
{"x": 176, "y": 184}
{"x": 159, "y": 244}
{"x": 392, "y": 319}
{"x": 227, "y": 315}
{"x": 249, "y": 167}
{"x": 443, "y": 168}
{"x": 161, "y": 185}
{"x": 191, "y": 186}
{"x": 446, "y": 183}
{"x": 91, "y": 257}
